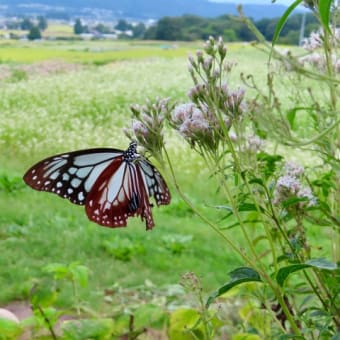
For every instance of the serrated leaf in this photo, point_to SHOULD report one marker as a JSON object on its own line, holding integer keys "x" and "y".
{"x": 324, "y": 11}
{"x": 283, "y": 20}
{"x": 238, "y": 276}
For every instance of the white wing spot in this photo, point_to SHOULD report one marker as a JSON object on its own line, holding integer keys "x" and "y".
{"x": 35, "y": 177}
{"x": 72, "y": 170}
{"x": 96, "y": 212}
{"x": 54, "y": 175}
{"x": 66, "y": 176}
{"x": 75, "y": 182}
{"x": 83, "y": 172}
{"x": 81, "y": 196}
{"x": 59, "y": 184}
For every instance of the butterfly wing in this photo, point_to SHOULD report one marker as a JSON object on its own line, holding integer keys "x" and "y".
{"x": 71, "y": 175}
{"x": 119, "y": 193}
{"x": 155, "y": 183}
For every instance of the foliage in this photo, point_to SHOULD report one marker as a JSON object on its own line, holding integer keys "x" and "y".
{"x": 275, "y": 215}
{"x": 231, "y": 132}
{"x": 42, "y": 23}
{"x": 78, "y": 27}
{"x": 190, "y": 28}
{"x": 34, "y": 33}
{"x": 123, "y": 25}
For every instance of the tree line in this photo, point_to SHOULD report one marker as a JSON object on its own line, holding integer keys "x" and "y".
{"x": 231, "y": 28}
{"x": 184, "y": 28}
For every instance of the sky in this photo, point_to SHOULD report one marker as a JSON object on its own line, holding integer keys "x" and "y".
{"x": 267, "y": 2}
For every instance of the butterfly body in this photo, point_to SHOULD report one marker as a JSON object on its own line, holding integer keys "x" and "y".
{"x": 112, "y": 184}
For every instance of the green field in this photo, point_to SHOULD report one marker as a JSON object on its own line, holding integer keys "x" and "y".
{"x": 46, "y": 114}
{"x": 87, "y": 106}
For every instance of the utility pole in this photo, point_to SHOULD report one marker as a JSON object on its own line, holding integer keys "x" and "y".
{"x": 302, "y": 29}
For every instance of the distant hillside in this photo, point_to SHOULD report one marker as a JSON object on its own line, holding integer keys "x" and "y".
{"x": 138, "y": 9}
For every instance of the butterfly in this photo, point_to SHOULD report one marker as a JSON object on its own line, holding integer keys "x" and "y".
{"x": 113, "y": 184}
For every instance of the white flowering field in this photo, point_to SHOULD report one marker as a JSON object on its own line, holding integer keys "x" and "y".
{"x": 58, "y": 98}
{"x": 55, "y": 106}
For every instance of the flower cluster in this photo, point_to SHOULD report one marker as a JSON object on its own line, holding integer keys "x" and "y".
{"x": 319, "y": 61}
{"x": 255, "y": 143}
{"x": 289, "y": 185}
{"x": 147, "y": 124}
{"x": 313, "y": 42}
{"x": 316, "y": 38}
{"x": 195, "y": 124}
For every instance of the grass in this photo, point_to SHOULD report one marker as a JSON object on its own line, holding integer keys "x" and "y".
{"x": 42, "y": 115}
{"x": 87, "y": 52}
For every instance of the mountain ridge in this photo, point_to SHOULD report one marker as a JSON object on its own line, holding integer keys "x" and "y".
{"x": 141, "y": 9}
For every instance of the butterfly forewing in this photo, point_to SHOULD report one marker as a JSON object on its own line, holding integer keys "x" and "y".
{"x": 119, "y": 193}
{"x": 71, "y": 175}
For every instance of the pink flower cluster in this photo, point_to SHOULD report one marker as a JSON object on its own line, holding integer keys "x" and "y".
{"x": 313, "y": 42}
{"x": 319, "y": 61}
{"x": 289, "y": 186}
{"x": 147, "y": 124}
{"x": 230, "y": 102}
{"x": 255, "y": 143}
{"x": 190, "y": 120}
{"x": 198, "y": 125}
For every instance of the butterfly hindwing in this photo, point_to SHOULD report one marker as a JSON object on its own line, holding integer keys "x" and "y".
{"x": 119, "y": 193}
{"x": 71, "y": 175}
{"x": 155, "y": 183}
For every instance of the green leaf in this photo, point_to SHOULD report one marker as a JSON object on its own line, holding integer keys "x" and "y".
{"x": 269, "y": 162}
{"x": 43, "y": 294}
{"x": 324, "y": 11}
{"x": 291, "y": 114}
{"x": 148, "y": 315}
{"x": 293, "y": 201}
{"x": 256, "y": 181}
{"x": 283, "y": 20}
{"x": 59, "y": 270}
{"x": 284, "y": 272}
{"x": 336, "y": 336}
{"x": 88, "y": 329}
{"x": 9, "y": 329}
{"x": 322, "y": 264}
{"x": 238, "y": 276}
{"x": 80, "y": 274}
{"x": 246, "y": 336}
{"x": 184, "y": 322}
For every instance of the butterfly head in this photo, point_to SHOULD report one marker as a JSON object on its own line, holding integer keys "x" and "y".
{"x": 131, "y": 153}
